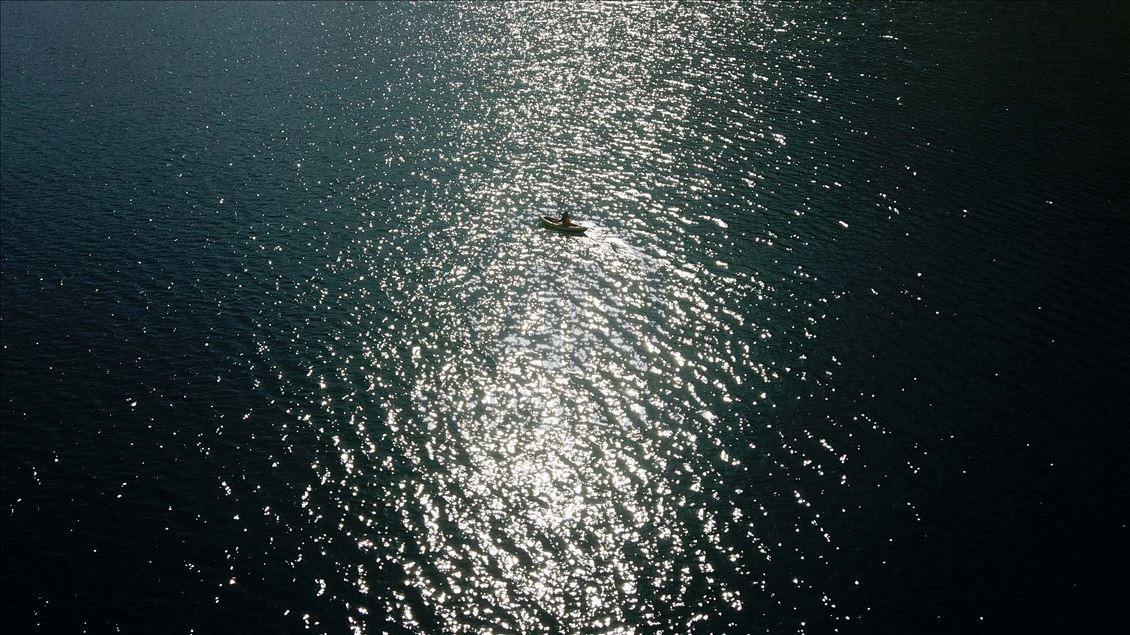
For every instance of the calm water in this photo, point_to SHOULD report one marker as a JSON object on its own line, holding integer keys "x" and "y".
{"x": 285, "y": 347}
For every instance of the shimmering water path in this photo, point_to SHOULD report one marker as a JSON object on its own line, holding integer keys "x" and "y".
{"x": 285, "y": 347}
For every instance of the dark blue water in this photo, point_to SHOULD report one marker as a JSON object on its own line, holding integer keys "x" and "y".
{"x": 285, "y": 348}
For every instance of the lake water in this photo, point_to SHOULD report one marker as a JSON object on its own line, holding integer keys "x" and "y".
{"x": 285, "y": 347}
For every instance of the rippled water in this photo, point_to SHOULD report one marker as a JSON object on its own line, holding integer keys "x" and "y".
{"x": 285, "y": 346}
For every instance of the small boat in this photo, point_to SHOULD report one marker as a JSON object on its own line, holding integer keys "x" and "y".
{"x": 571, "y": 228}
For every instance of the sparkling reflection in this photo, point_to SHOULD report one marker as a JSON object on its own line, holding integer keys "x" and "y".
{"x": 534, "y": 431}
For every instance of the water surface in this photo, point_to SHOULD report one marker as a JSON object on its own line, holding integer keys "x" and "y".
{"x": 285, "y": 347}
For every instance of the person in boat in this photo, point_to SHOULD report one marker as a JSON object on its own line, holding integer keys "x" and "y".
{"x": 565, "y": 219}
